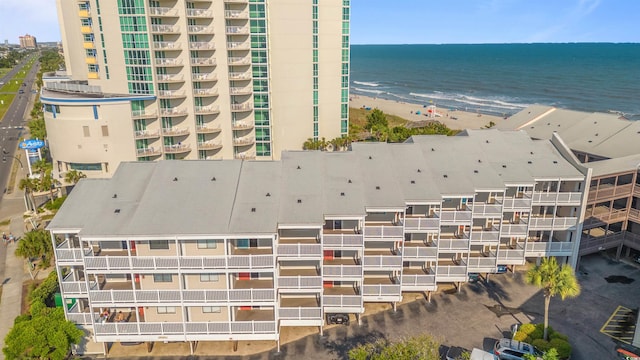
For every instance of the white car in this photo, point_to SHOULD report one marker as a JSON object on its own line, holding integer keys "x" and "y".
{"x": 477, "y": 354}
{"x": 507, "y": 349}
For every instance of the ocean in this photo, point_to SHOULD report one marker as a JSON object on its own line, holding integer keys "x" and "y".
{"x": 502, "y": 79}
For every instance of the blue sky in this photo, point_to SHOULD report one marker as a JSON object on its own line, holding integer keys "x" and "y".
{"x": 422, "y": 21}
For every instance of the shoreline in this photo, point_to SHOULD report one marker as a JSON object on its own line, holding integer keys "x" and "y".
{"x": 453, "y": 119}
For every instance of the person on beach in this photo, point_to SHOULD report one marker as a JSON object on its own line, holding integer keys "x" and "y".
{"x": 4, "y": 238}
{"x": 12, "y": 239}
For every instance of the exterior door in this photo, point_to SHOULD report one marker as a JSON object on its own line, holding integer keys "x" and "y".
{"x": 328, "y": 254}
{"x": 243, "y": 243}
{"x": 244, "y": 276}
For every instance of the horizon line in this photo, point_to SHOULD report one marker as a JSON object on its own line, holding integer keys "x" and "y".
{"x": 508, "y": 43}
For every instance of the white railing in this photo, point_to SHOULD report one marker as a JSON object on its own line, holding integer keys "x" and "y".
{"x": 241, "y": 125}
{"x": 418, "y": 280}
{"x": 451, "y": 272}
{"x": 421, "y": 223}
{"x": 146, "y": 133}
{"x": 208, "y": 128}
{"x": 516, "y": 203}
{"x": 247, "y": 140}
{"x": 203, "y": 76}
{"x": 242, "y": 107}
{"x": 173, "y": 263}
{"x": 171, "y": 93}
{"x": 209, "y": 145}
{"x": 235, "y": 14}
{"x": 569, "y": 198}
{"x": 238, "y": 45}
{"x": 65, "y": 86}
{"x": 173, "y": 131}
{"x": 540, "y": 223}
{"x": 453, "y": 244}
{"x": 202, "y": 45}
{"x": 549, "y": 247}
{"x": 342, "y": 270}
{"x": 299, "y": 250}
{"x": 240, "y": 75}
{"x": 514, "y": 229}
{"x": 166, "y": 45}
{"x": 455, "y": 216}
{"x": 148, "y": 151}
{"x": 207, "y": 109}
{"x": 381, "y": 261}
{"x": 510, "y": 254}
{"x": 563, "y": 223}
{"x": 163, "y": 11}
{"x": 168, "y": 62}
{"x": 203, "y": 61}
{"x": 237, "y": 30}
{"x": 300, "y": 313}
{"x": 340, "y": 240}
{"x": 198, "y": 13}
{"x": 240, "y": 90}
{"x": 299, "y": 282}
{"x": 245, "y": 155}
{"x": 163, "y": 77}
{"x": 342, "y": 300}
{"x": 69, "y": 255}
{"x": 487, "y": 209}
{"x": 419, "y": 252}
{"x": 114, "y": 297}
{"x": 200, "y": 29}
{"x": 163, "y": 28}
{"x": 212, "y": 91}
{"x": 81, "y": 318}
{"x": 381, "y": 289}
{"x": 481, "y": 236}
{"x": 126, "y": 329}
{"x": 383, "y": 231}
{"x": 143, "y": 113}
{"x": 173, "y": 111}
{"x": 474, "y": 263}
{"x": 239, "y": 60}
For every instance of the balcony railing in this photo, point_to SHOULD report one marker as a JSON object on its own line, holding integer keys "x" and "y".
{"x": 299, "y": 313}
{"x": 548, "y": 223}
{"x": 76, "y": 287}
{"x": 244, "y": 141}
{"x": 176, "y": 148}
{"x": 198, "y": 13}
{"x": 81, "y": 318}
{"x": 235, "y": 14}
{"x": 612, "y": 191}
{"x": 173, "y": 112}
{"x": 241, "y": 30}
{"x": 418, "y": 280}
{"x": 453, "y": 244}
{"x": 171, "y": 93}
{"x": 299, "y": 282}
{"x": 163, "y": 11}
{"x": 241, "y": 125}
{"x": 150, "y": 151}
{"x": 342, "y": 240}
{"x": 115, "y": 297}
{"x": 199, "y": 29}
{"x": 487, "y": 210}
{"x": 201, "y": 45}
{"x": 141, "y": 114}
{"x": 419, "y": 252}
{"x": 169, "y": 62}
{"x": 240, "y": 90}
{"x": 239, "y": 60}
{"x": 172, "y": 263}
{"x": 421, "y": 224}
{"x": 381, "y": 261}
{"x": 508, "y": 256}
{"x": 485, "y": 236}
{"x": 519, "y": 229}
{"x": 381, "y": 290}
{"x": 203, "y": 61}
{"x": 69, "y": 255}
{"x": 238, "y": 45}
{"x": 299, "y": 250}
{"x": 590, "y": 245}
{"x": 245, "y": 155}
{"x": 166, "y": 45}
{"x": 240, "y": 75}
{"x": 455, "y": 217}
{"x": 169, "y": 78}
{"x": 521, "y": 203}
{"x": 242, "y": 107}
{"x": 209, "y": 109}
{"x": 548, "y": 248}
{"x": 344, "y": 301}
{"x": 146, "y": 134}
{"x": 124, "y": 330}
{"x": 208, "y": 129}
{"x": 175, "y": 131}
{"x": 163, "y": 28}
{"x": 451, "y": 273}
{"x": 342, "y": 270}
{"x": 383, "y": 231}
{"x": 209, "y": 145}
{"x": 482, "y": 264}
{"x": 205, "y": 92}
{"x": 203, "y": 76}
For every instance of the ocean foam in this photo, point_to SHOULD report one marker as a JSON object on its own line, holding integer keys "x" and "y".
{"x": 366, "y": 83}
{"x": 369, "y": 91}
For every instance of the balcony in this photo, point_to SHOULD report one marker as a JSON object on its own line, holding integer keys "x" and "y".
{"x": 205, "y": 92}
{"x": 245, "y": 155}
{"x": 543, "y": 249}
{"x": 146, "y": 134}
{"x": 175, "y": 131}
{"x": 241, "y": 90}
{"x": 300, "y": 283}
{"x": 204, "y": 61}
{"x": 168, "y": 62}
{"x": 169, "y": 78}
{"x": 241, "y": 125}
{"x": 163, "y": 12}
{"x": 454, "y": 217}
{"x": 199, "y": 29}
{"x": 164, "y": 263}
{"x": 453, "y": 245}
{"x": 150, "y": 151}
{"x": 516, "y": 229}
{"x": 244, "y": 141}
{"x": 421, "y": 224}
{"x": 383, "y": 232}
{"x": 483, "y": 263}
{"x": 201, "y": 45}
{"x": 242, "y": 107}
{"x": 481, "y": 210}
{"x": 143, "y": 114}
{"x": 66, "y": 255}
{"x": 199, "y": 13}
{"x": 91, "y": 60}
{"x": 486, "y": 236}
{"x": 171, "y": 94}
{"x": 337, "y": 239}
{"x": 239, "y": 60}
{"x": 246, "y": 75}
{"x": 208, "y": 129}
{"x": 511, "y": 256}
{"x": 518, "y": 203}
{"x": 204, "y": 77}
{"x": 451, "y": 273}
{"x": 552, "y": 222}
{"x": 237, "y": 30}
{"x": 93, "y": 75}
{"x": 209, "y": 145}
{"x": 419, "y": 252}
{"x": 166, "y": 45}
{"x": 84, "y": 13}
{"x": 88, "y": 45}
{"x": 163, "y": 29}
{"x": 177, "y": 148}
{"x": 608, "y": 192}
{"x": 207, "y": 110}
{"x": 348, "y": 270}
{"x": 594, "y": 244}
{"x": 236, "y": 14}
{"x": 80, "y": 318}
{"x": 220, "y": 330}
{"x": 562, "y": 198}
{"x": 341, "y": 299}
{"x": 382, "y": 262}
{"x": 310, "y": 249}
{"x": 238, "y": 45}
{"x": 418, "y": 280}
{"x": 224, "y": 297}
{"x": 87, "y": 29}
{"x": 300, "y": 316}
{"x": 173, "y": 112}
{"x": 381, "y": 292}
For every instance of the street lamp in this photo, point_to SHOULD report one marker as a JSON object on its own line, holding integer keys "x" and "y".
{"x": 4, "y": 160}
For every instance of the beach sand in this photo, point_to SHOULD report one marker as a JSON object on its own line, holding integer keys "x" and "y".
{"x": 454, "y": 119}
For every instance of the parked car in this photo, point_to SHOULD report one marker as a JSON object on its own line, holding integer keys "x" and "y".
{"x": 338, "y": 319}
{"x": 455, "y": 353}
{"x": 507, "y": 349}
{"x": 477, "y": 354}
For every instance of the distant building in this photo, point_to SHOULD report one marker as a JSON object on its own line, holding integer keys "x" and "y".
{"x": 28, "y": 42}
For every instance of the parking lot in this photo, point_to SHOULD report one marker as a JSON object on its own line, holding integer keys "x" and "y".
{"x": 476, "y": 316}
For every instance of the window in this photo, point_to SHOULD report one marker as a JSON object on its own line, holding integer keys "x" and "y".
{"x": 86, "y": 167}
{"x": 210, "y": 309}
{"x": 207, "y": 244}
{"x": 159, "y": 244}
{"x": 85, "y": 131}
{"x": 163, "y": 278}
{"x": 105, "y": 130}
{"x": 209, "y": 277}
{"x": 166, "y": 309}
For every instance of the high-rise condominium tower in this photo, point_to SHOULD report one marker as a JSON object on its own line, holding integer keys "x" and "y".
{"x": 196, "y": 79}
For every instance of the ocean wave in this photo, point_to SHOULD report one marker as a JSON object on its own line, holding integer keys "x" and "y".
{"x": 470, "y": 100}
{"x": 366, "y": 83}
{"x": 369, "y": 91}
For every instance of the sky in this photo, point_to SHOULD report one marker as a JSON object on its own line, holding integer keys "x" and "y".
{"x": 421, "y": 21}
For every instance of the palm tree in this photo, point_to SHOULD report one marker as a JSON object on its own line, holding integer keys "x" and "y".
{"x": 48, "y": 183}
{"x": 29, "y": 185}
{"x": 36, "y": 244}
{"x": 73, "y": 176}
{"x": 554, "y": 280}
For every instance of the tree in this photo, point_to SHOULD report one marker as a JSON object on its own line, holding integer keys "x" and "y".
{"x": 421, "y": 347}
{"x": 376, "y": 119}
{"x": 36, "y": 244}
{"x": 48, "y": 183}
{"x": 554, "y": 280}
{"x": 29, "y": 185}
{"x": 312, "y": 144}
{"x": 73, "y": 176}
{"x": 551, "y": 354}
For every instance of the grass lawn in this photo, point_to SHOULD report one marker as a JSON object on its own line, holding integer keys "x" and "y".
{"x": 12, "y": 86}
{"x": 7, "y": 99}
{"x": 358, "y": 117}
{"x": 3, "y": 71}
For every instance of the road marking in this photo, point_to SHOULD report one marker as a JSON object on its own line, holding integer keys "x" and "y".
{"x": 621, "y": 324}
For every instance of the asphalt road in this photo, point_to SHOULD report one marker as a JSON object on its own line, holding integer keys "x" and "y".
{"x": 12, "y": 125}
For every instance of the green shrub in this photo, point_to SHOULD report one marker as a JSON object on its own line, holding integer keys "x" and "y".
{"x": 55, "y": 205}
{"x": 520, "y": 336}
{"x": 563, "y": 347}
{"x": 557, "y": 335}
{"x": 541, "y": 344}
{"x": 45, "y": 292}
{"x": 527, "y": 329}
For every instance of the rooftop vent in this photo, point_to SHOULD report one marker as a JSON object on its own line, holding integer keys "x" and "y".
{"x": 377, "y": 187}
{"x": 487, "y": 141}
{"x": 413, "y": 181}
{"x": 370, "y": 157}
{"x": 531, "y": 153}
{"x": 445, "y": 176}
{"x": 268, "y": 194}
{"x": 175, "y": 179}
{"x": 479, "y": 161}
{"x": 349, "y": 181}
{"x": 117, "y": 211}
{"x": 555, "y": 161}
{"x": 529, "y": 162}
{"x": 548, "y": 123}
{"x": 590, "y": 141}
{"x": 504, "y": 166}
{"x": 213, "y": 178}
{"x": 475, "y": 171}
{"x": 432, "y": 149}
{"x": 115, "y": 196}
{"x": 419, "y": 170}
{"x": 533, "y": 127}
{"x": 299, "y": 201}
{"x": 596, "y": 134}
{"x": 253, "y": 209}
{"x": 299, "y": 167}
{"x": 341, "y": 194}
{"x": 595, "y": 122}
